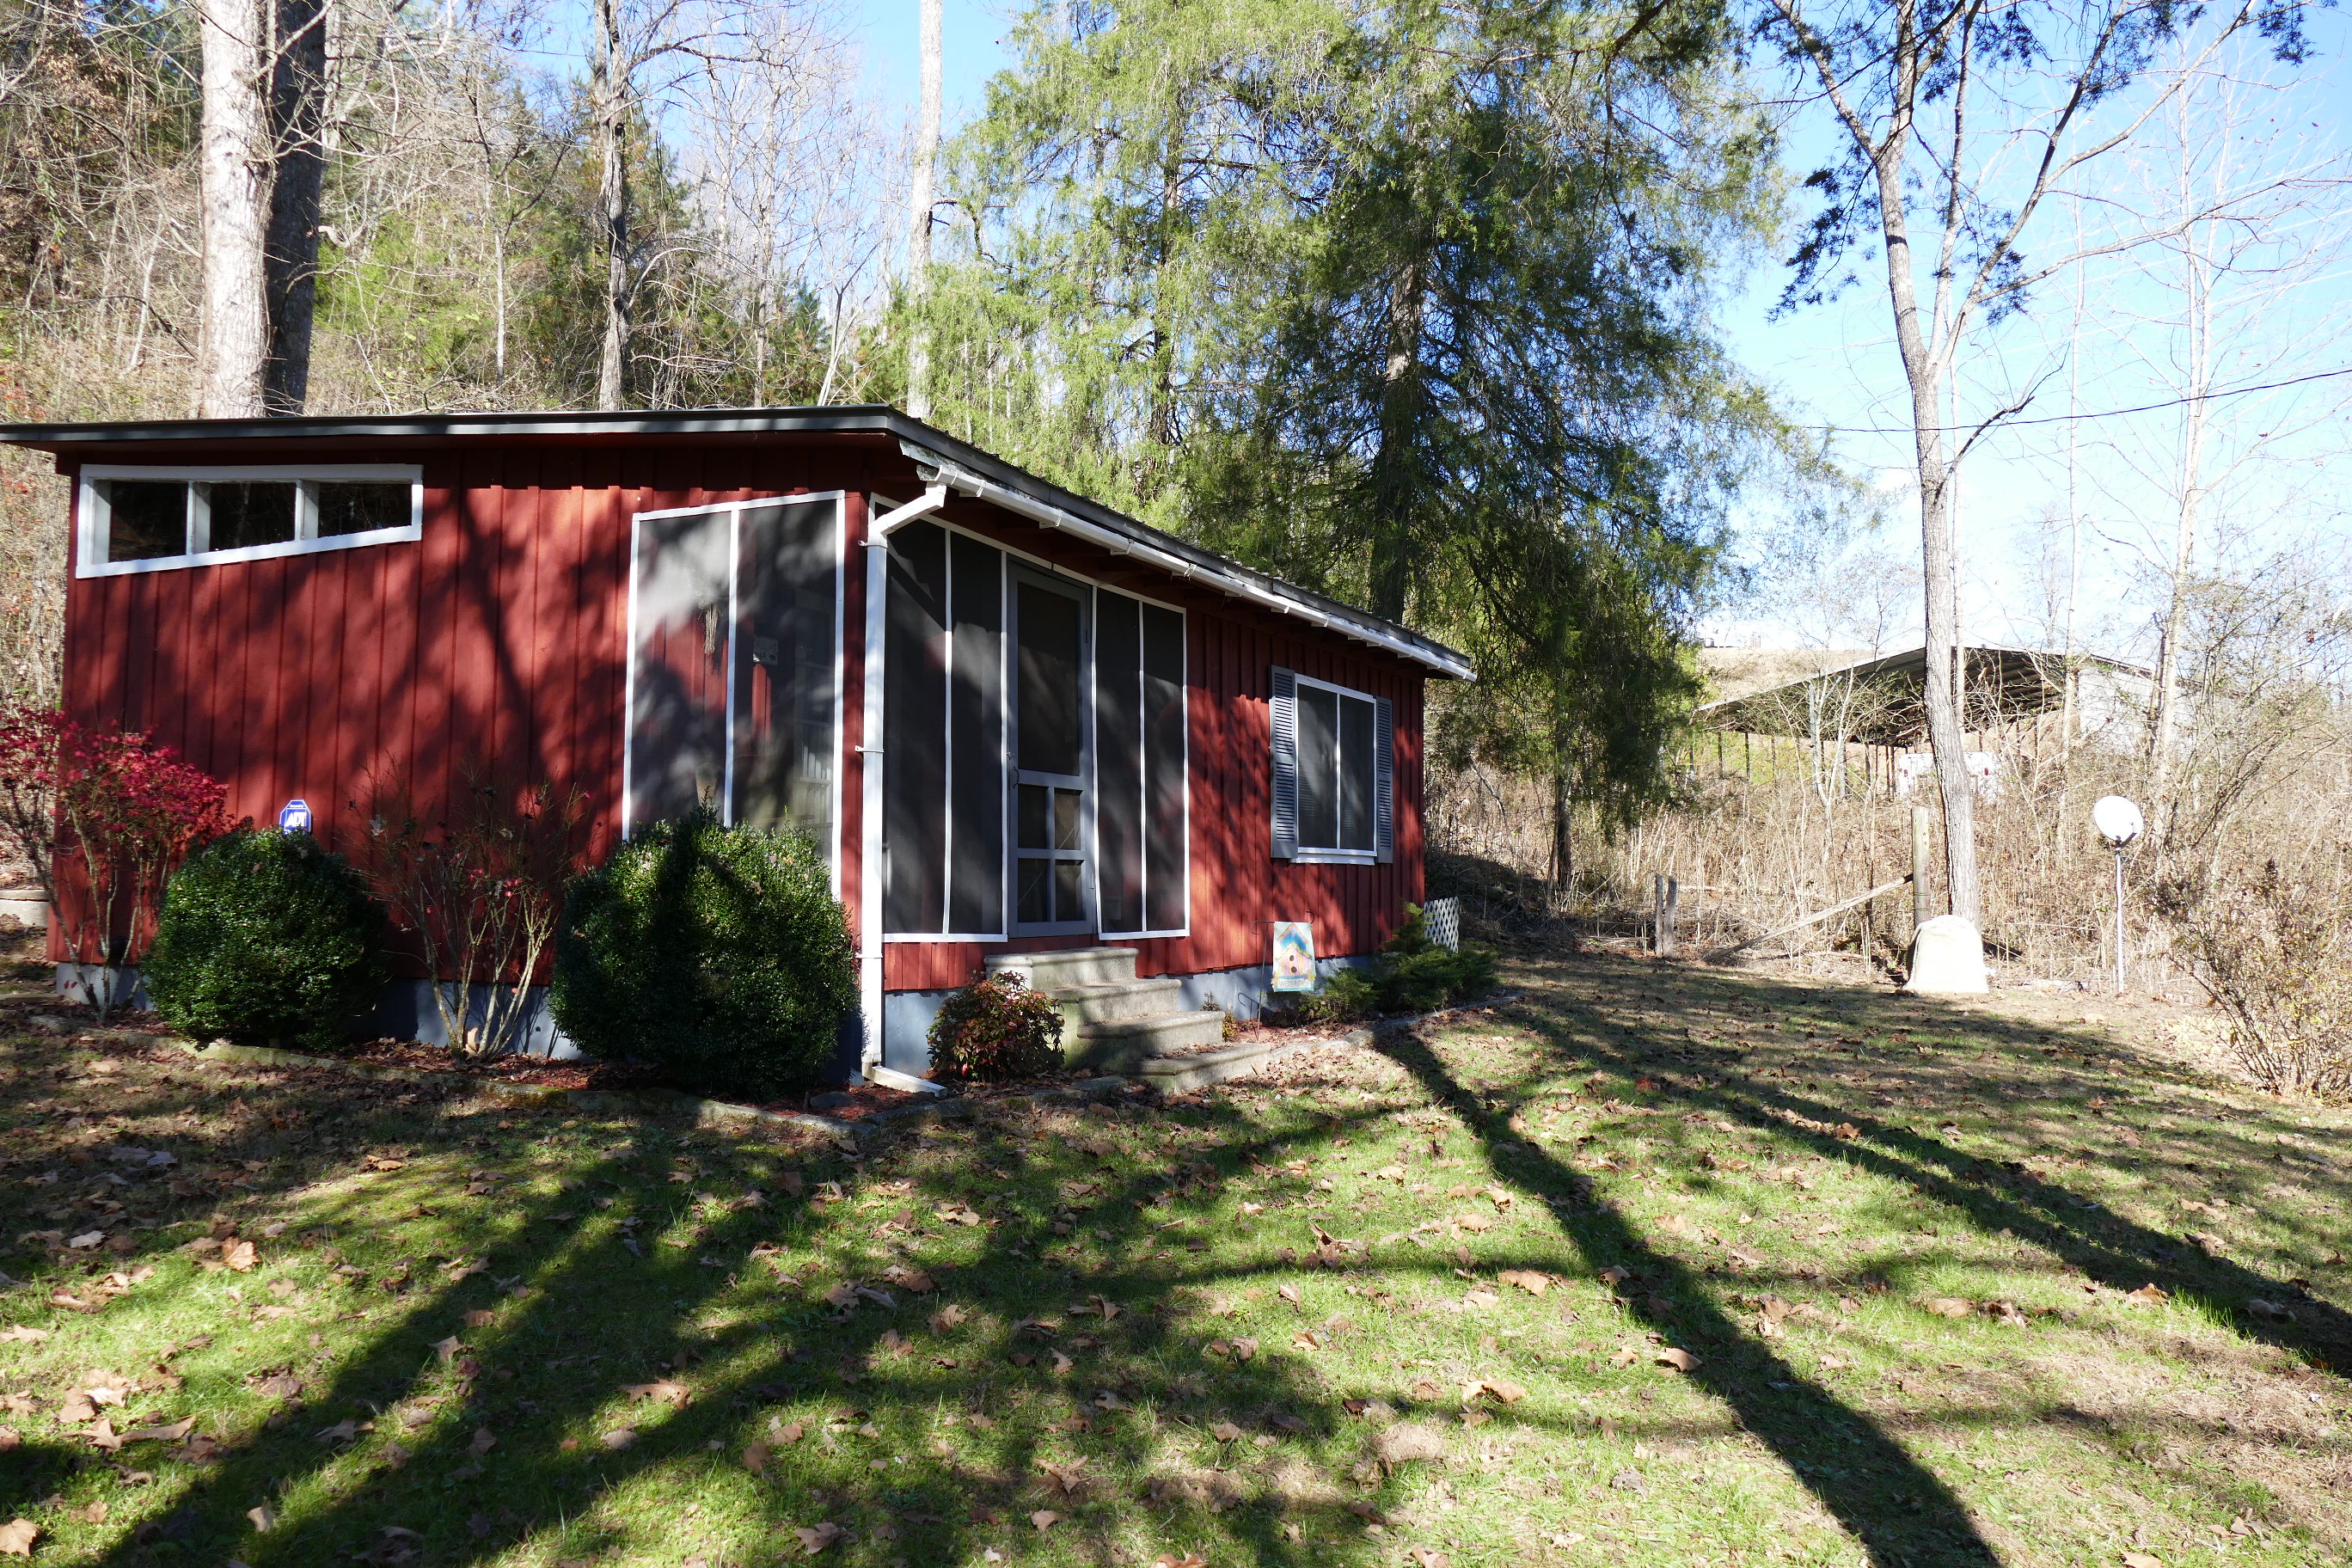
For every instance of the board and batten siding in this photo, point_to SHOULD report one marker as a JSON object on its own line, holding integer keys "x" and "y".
{"x": 499, "y": 641}
{"x": 499, "y": 638}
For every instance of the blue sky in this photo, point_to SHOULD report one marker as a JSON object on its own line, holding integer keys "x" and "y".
{"x": 1833, "y": 365}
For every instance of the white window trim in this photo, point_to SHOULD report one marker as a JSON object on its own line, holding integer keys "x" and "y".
{"x": 90, "y": 513}
{"x": 1335, "y": 856}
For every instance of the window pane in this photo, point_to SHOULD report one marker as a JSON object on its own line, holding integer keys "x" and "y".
{"x": 1032, "y": 817}
{"x": 1066, "y": 819}
{"x": 1048, "y": 718}
{"x": 251, "y": 512}
{"x": 785, "y": 650}
{"x": 361, "y": 506}
{"x": 1318, "y": 745}
{"x": 678, "y": 715}
{"x": 1356, "y": 717}
{"x": 145, "y": 519}
{"x": 1033, "y": 910}
{"x": 1070, "y": 896}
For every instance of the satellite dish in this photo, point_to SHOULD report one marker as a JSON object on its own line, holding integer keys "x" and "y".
{"x": 2117, "y": 820}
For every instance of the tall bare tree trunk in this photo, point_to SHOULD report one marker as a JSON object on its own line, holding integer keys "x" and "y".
{"x": 920, "y": 200}
{"x": 234, "y": 187}
{"x": 298, "y": 89}
{"x": 611, "y": 87}
{"x": 1392, "y": 462}
{"x": 2163, "y": 739}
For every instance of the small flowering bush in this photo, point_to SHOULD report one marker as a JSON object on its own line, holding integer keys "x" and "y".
{"x": 111, "y": 806}
{"x": 996, "y": 1028}
{"x": 479, "y": 889}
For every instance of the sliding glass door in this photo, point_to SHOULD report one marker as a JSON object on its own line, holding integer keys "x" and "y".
{"x": 734, "y": 685}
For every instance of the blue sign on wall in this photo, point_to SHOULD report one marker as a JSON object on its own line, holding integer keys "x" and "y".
{"x": 294, "y": 817}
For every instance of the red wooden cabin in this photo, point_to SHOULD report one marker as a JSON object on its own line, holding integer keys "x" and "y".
{"x": 1020, "y": 722}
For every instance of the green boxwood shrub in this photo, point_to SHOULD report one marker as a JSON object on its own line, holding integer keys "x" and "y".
{"x": 996, "y": 1028}
{"x": 266, "y": 935}
{"x": 716, "y": 953}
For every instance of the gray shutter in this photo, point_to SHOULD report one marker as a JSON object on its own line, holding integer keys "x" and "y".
{"x": 1284, "y": 708}
{"x": 1384, "y": 778}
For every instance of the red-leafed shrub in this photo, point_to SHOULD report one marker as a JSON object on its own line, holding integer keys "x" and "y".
{"x": 995, "y": 1028}
{"x": 122, "y": 810}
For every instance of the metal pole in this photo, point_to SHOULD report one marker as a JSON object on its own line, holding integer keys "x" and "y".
{"x": 2119, "y": 921}
{"x": 1920, "y": 912}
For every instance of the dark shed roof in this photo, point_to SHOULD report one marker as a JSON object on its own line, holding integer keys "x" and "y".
{"x": 1881, "y": 697}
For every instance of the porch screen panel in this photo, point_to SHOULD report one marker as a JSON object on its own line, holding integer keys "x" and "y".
{"x": 914, "y": 752}
{"x": 678, "y": 666}
{"x": 976, "y": 739}
{"x": 786, "y": 640}
{"x": 1166, "y": 850}
{"x": 1118, "y": 762}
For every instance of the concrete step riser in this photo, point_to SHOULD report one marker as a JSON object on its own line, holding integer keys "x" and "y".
{"x": 1117, "y": 1003}
{"x": 1076, "y": 967}
{"x": 1122, "y": 1046}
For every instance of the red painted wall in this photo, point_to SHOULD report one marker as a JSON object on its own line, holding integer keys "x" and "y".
{"x": 499, "y": 640}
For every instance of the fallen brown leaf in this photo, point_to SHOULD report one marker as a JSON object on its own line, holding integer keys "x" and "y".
{"x": 240, "y": 1255}
{"x": 16, "y": 1537}
{"x": 662, "y": 1390}
{"x": 1947, "y": 1307}
{"x": 1045, "y": 1519}
{"x": 1680, "y": 1359}
{"x": 755, "y": 1458}
{"x": 816, "y": 1538}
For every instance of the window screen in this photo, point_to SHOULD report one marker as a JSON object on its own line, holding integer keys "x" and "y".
{"x": 914, "y": 756}
{"x": 943, "y": 735}
{"x": 1118, "y": 761}
{"x": 1168, "y": 825}
{"x": 976, "y": 739}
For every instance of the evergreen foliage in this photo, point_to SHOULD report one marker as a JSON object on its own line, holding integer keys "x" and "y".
{"x": 1411, "y": 974}
{"x": 265, "y": 935}
{"x": 718, "y": 954}
{"x": 1410, "y": 305}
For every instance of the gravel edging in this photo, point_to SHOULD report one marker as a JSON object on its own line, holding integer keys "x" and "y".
{"x": 711, "y": 1113}
{"x": 1199, "y": 1069}
{"x": 1164, "y": 1074}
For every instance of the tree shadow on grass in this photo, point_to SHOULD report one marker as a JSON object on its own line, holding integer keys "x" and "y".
{"x": 1899, "y": 1510}
{"x": 851, "y": 1397}
{"x": 1998, "y": 1197}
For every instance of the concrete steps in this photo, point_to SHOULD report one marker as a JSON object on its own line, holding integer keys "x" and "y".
{"x": 1111, "y": 1019}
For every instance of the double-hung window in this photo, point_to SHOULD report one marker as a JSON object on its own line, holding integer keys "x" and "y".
{"x": 1334, "y": 773}
{"x": 155, "y": 519}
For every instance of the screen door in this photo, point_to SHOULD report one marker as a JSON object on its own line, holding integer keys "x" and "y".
{"x": 1052, "y": 816}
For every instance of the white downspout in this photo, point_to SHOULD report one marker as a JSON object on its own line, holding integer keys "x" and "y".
{"x": 869, "y": 771}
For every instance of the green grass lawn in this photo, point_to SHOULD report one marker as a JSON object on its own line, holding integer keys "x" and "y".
{"x": 1653, "y": 1264}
